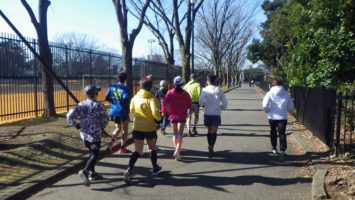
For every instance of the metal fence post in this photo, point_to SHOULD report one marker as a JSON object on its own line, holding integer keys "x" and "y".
{"x": 67, "y": 65}
{"x": 351, "y": 121}
{"x": 36, "y": 83}
{"x": 340, "y": 98}
{"x": 109, "y": 69}
{"x": 345, "y": 113}
{"x": 90, "y": 64}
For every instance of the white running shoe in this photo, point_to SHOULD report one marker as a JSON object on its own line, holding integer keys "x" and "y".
{"x": 177, "y": 156}
{"x": 84, "y": 176}
{"x": 127, "y": 175}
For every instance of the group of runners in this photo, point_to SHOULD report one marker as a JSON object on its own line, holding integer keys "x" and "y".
{"x": 155, "y": 107}
{"x": 152, "y": 108}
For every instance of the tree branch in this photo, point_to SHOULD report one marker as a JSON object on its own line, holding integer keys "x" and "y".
{"x": 32, "y": 16}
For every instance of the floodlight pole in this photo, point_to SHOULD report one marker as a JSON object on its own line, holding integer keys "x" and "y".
{"x": 39, "y": 58}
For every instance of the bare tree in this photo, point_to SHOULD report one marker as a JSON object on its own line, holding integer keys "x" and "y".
{"x": 78, "y": 40}
{"x": 223, "y": 31}
{"x": 127, "y": 40}
{"x": 184, "y": 43}
{"x": 45, "y": 53}
{"x": 161, "y": 29}
{"x": 173, "y": 26}
{"x": 236, "y": 49}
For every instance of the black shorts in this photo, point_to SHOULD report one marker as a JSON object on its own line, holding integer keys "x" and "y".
{"x": 140, "y": 135}
{"x": 119, "y": 120}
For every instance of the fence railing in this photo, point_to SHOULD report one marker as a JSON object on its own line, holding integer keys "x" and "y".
{"x": 21, "y": 77}
{"x": 343, "y": 140}
{"x": 328, "y": 116}
{"x": 315, "y": 108}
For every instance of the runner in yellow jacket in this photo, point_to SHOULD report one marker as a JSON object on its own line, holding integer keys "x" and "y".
{"x": 145, "y": 107}
{"x": 194, "y": 89}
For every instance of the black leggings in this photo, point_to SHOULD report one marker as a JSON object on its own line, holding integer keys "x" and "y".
{"x": 94, "y": 148}
{"x": 281, "y": 128}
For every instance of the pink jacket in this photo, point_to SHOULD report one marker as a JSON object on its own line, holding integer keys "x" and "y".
{"x": 178, "y": 104}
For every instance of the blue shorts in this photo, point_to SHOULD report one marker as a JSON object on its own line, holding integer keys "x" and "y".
{"x": 212, "y": 120}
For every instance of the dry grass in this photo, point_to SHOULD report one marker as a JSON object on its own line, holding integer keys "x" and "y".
{"x": 32, "y": 147}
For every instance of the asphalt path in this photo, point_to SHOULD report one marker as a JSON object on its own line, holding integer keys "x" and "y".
{"x": 243, "y": 167}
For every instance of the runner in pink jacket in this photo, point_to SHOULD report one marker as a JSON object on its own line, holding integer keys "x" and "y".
{"x": 179, "y": 101}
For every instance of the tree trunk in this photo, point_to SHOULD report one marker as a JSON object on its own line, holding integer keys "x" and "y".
{"x": 185, "y": 65}
{"x": 47, "y": 80}
{"x": 127, "y": 64}
{"x": 127, "y": 40}
{"x": 45, "y": 53}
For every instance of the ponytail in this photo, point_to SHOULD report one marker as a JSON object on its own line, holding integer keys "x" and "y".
{"x": 178, "y": 88}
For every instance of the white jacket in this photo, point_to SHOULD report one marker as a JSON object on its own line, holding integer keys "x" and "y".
{"x": 277, "y": 102}
{"x": 210, "y": 98}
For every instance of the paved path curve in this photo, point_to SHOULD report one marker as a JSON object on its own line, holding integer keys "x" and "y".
{"x": 243, "y": 168}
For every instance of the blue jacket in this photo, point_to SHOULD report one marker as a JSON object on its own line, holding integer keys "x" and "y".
{"x": 117, "y": 94}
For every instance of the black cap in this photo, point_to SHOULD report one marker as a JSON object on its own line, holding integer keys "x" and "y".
{"x": 122, "y": 76}
{"x": 91, "y": 90}
{"x": 193, "y": 76}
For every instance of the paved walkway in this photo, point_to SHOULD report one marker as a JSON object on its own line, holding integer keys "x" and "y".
{"x": 243, "y": 168}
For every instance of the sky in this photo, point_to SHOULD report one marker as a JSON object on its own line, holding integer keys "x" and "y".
{"x": 96, "y": 18}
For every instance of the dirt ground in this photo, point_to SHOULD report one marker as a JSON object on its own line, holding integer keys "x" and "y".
{"x": 340, "y": 179}
{"x": 30, "y": 147}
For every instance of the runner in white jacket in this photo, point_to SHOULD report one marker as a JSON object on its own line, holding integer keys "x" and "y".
{"x": 276, "y": 103}
{"x": 211, "y": 98}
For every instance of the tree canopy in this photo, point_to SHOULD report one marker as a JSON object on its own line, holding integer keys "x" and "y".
{"x": 308, "y": 43}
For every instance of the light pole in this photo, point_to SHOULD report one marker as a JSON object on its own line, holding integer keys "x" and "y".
{"x": 192, "y": 37}
{"x": 150, "y": 41}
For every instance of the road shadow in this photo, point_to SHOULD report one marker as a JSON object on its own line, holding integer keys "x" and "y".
{"x": 204, "y": 178}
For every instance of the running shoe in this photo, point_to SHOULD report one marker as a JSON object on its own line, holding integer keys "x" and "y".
{"x": 124, "y": 150}
{"x": 84, "y": 176}
{"x": 127, "y": 175}
{"x": 94, "y": 176}
{"x": 194, "y": 130}
{"x": 189, "y": 134}
{"x": 210, "y": 151}
{"x": 157, "y": 169}
{"x": 282, "y": 155}
{"x": 162, "y": 132}
{"x": 274, "y": 151}
{"x": 177, "y": 156}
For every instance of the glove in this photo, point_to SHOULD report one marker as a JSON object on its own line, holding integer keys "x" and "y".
{"x": 77, "y": 126}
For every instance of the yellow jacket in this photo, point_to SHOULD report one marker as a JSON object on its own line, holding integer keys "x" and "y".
{"x": 194, "y": 90}
{"x": 145, "y": 107}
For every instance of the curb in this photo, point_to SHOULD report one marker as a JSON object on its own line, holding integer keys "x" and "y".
{"x": 318, "y": 185}
{"x": 27, "y": 189}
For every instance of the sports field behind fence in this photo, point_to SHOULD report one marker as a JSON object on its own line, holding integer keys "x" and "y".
{"x": 24, "y": 105}
{"x": 21, "y": 94}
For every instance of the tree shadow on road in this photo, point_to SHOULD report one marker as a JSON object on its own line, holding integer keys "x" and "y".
{"x": 208, "y": 178}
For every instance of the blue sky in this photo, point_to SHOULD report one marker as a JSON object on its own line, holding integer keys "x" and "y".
{"x": 93, "y": 17}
